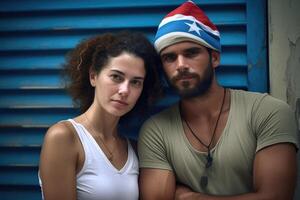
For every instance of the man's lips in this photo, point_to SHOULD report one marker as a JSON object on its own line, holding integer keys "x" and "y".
{"x": 185, "y": 77}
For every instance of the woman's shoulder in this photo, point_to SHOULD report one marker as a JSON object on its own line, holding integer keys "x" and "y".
{"x": 61, "y": 132}
{"x": 59, "y": 154}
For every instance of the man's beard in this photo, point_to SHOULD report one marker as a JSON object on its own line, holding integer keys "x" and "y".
{"x": 201, "y": 86}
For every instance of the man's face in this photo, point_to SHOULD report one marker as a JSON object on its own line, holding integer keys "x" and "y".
{"x": 189, "y": 68}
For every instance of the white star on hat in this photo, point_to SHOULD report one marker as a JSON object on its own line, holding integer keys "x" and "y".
{"x": 194, "y": 27}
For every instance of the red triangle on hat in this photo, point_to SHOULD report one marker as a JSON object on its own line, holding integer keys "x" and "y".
{"x": 189, "y": 8}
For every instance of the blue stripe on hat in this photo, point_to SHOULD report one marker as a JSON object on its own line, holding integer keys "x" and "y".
{"x": 181, "y": 26}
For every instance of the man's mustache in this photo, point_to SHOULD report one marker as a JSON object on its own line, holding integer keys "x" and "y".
{"x": 184, "y": 75}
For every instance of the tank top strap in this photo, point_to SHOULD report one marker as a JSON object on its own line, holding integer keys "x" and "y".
{"x": 79, "y": 131}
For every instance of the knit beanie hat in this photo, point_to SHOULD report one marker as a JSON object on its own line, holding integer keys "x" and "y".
{"x": 187, "y": 23}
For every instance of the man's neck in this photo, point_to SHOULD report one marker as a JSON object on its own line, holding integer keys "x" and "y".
{"x": 204, "y": 105}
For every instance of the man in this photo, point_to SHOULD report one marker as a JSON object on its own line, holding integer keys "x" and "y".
{"x": 215, "y": 143}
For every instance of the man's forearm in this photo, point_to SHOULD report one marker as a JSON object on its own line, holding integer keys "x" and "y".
{"x": 184, "y": 193}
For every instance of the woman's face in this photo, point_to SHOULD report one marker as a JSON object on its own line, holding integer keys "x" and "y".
{"x": 119, "y": 84}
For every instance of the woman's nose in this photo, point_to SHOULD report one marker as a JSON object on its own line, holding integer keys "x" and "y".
{"x": 124, "y": 88}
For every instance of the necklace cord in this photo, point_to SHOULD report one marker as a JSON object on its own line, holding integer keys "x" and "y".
{"x": 111, "y": 155}
{"x": 214, "y": 132}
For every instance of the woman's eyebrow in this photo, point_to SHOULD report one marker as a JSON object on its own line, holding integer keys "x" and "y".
{"x": 122, "y": 73}
{"x": 117, "y": 71}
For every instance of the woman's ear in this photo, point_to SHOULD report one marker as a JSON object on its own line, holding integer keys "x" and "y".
{"x": 93, "y": 77}
{"x": 215, "y": 58}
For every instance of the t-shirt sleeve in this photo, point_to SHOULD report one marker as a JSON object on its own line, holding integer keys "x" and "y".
{"x": 274, "y": 122}
{"x": 151, "y": 147}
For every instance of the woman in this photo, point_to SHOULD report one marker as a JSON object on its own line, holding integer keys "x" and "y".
{"x": 85, "y": 157}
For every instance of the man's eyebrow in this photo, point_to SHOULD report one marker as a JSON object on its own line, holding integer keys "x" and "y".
{"x": 184, "y": 50}
{"x": 192, "y": 49}
{"x": 167, "y": 54}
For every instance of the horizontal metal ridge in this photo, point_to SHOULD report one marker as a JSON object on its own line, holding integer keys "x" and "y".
{"x": 38, "y": 6}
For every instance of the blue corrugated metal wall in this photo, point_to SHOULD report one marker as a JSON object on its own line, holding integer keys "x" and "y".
{"x": 35, "y": 35}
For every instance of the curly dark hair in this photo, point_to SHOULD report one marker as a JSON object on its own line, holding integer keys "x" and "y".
{"x": 94, "y": 53}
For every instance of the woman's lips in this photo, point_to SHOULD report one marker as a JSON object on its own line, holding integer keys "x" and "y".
{"x": 120, "y": 102}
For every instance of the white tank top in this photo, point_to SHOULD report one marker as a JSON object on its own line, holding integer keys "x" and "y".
{"x": 99, "y": 179}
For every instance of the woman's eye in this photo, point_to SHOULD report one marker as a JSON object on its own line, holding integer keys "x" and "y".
{"x": 116, "y": 78}
{"x": 137, "y": 83}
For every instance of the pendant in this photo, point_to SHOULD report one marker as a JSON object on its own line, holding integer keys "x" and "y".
{"x": 203, "y": 181}
{"x": 209, "y": 160}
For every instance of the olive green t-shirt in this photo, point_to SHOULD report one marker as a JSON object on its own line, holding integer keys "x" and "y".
{"x": 255, "y": 121}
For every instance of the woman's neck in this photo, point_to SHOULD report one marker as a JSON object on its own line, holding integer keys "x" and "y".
{"x": 102, "y": 122}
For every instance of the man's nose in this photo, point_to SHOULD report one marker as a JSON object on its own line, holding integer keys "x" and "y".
{"x": 181, "y": 63}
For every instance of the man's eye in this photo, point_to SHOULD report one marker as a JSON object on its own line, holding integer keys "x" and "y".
{"x": 192, "y": 53}
{"x": 169, "y": 58}
{"x": 116, "y": 78}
